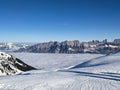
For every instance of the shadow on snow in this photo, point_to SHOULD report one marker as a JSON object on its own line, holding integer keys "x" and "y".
{"x": 109, "y": 76}
{"x": 90, "y": 64}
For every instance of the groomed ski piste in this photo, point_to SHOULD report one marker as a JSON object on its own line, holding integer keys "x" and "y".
{"x": 65, "y": 72}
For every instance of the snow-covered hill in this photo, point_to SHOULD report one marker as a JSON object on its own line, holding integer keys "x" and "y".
{"x": 10, "y": 65}
{"x": 66, "y": 72}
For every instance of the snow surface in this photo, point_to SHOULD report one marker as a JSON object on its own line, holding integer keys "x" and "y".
{"x": 66, "y": 72}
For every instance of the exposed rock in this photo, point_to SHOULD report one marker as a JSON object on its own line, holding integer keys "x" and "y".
{"x": 94, "y": 46}
{"x": 10, "y": 65}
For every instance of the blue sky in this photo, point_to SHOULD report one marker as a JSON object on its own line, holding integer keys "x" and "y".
{"x": 50, "y": 20}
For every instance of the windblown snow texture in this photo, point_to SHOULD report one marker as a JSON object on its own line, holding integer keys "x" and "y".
{"x": 66, "y": 72}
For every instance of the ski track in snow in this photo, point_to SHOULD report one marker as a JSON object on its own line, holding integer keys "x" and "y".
{"x": 66, "y": 72}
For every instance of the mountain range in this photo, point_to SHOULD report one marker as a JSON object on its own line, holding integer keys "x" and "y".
{"x": 75, "y": 46}
{"x": 10, "y": 47}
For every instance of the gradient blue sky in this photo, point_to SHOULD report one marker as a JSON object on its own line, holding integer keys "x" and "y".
{"x": 50, "y": 20}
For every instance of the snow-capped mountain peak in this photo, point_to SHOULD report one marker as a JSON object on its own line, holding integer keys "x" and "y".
{"x": 10, "y": 65}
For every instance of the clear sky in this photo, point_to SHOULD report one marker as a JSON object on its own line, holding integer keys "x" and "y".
{"x": 50, "y": 20}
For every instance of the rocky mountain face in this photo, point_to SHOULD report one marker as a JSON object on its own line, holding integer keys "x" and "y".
{"x": 75, "y": 46}
{"x": 10, "y": 65}
{"x": 57, "y": 47}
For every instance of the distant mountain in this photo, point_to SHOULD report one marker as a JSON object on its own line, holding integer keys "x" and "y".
{"x": 75, "y": 46}
{"x": 56, "y": 47}
{"x": 12, "y": 46}
{"x": 10, "y": 65}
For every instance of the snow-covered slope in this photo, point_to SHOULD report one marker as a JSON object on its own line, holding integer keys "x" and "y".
{"x": 10, "y": 65}
{"x": 66, "y": 72}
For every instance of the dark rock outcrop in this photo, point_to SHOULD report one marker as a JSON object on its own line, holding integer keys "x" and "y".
{"x": 10, "y": 65}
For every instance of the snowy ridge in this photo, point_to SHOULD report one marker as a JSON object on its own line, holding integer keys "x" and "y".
{"x": 66, "y": 72}
{"x": 10, "y": 65}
